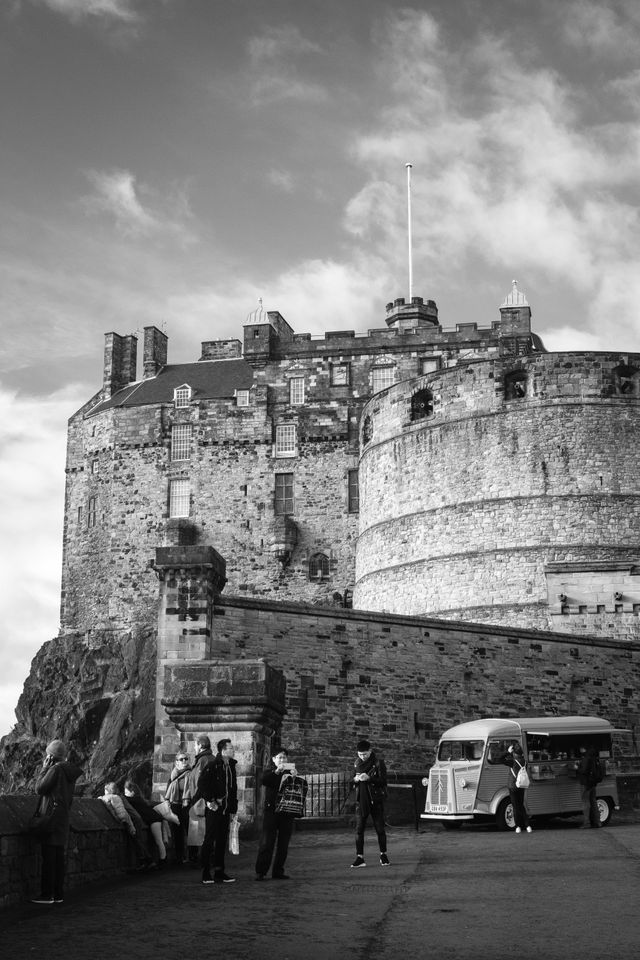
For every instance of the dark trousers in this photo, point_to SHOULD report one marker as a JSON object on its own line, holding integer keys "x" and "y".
{"x": 216, "y": 834}
{"x": 52, "y": 879}
{"x": 276, "y": 832}
{"x": 520, "y": 814}
{"x": 377, "y": 816}
{"x": 179, "y": 831}
{"x": 590, "y": 812}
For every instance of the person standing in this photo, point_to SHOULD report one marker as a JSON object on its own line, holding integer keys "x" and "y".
{"x": 218, "y": 786}
{"x": 514, "y": 759}
{"x": 55, "y": 786}
{"x": 276, "y": 827}
{"x": 175, "y": 794}
{"x": 370, "y": 779}
{"x": 588, "y": 776}
{"x": 204, "y": 756}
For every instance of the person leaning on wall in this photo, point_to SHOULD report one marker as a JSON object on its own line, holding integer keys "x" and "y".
{"x": 55, "y": 786}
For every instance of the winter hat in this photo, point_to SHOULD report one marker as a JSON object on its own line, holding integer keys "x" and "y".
{"x": 57, "y": 749}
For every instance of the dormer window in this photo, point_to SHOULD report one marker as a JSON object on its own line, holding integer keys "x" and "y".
{"x": 242, "y": 398}
{"x": 182, "y": 395}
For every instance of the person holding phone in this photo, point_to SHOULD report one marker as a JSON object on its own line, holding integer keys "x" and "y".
{"x": 276, "y": 827}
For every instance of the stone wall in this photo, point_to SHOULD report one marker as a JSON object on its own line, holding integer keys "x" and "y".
{"x": 463, "y": 511}
{"x": 97, "y": 849}
{"x": 403, "y": 680}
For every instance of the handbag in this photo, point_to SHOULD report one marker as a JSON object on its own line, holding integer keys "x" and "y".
{"x": 165, "y": 811}
{"x": 41, "y": 824}
{"x": 234, "y": 830}
{"x": 522, "y": 779}
{"x": 291, "y": 796}
{"x": 195, "y": 835}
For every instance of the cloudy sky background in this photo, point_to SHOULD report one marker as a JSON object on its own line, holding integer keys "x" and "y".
{"x": 169, "y": 162}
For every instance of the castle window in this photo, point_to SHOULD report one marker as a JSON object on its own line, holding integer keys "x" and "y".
{"x": 421, "y": 404}
{"x": 181, "y": 441}
{"x": 367, "y": 430}
{"x": 80, "y": 515}
{"x": 383, "y": 377}
{"x": 429, "y": 364}
{"x": 353, "y": 492}
{"x": 286, "y": 440}
{"x": 179, "y": 497}
{"x": 242, "y": 398}
{"x": 296, "y": 390}
{"x": 94, "y": 466}
{"x": 283, "y": 499}
{"x": 340, "y": 374}
{"x": 91, "y": 512}
{"x": 515, "y": 385}
{"x": 182, "y": 395}
{"x": 319, "y": 567}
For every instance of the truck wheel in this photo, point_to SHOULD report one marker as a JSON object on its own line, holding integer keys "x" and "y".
{"x": 605, "y": 809}
{"x": 505, "y": 819}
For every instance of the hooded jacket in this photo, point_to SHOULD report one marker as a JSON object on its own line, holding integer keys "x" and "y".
{"x": 55, "y": 785}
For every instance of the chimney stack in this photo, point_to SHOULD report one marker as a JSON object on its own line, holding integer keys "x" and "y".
{"x": 120, "y": 357}
{"x": 155, "y": 351}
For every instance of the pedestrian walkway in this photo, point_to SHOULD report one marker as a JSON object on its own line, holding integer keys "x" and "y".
{"x": 561, "y": 892}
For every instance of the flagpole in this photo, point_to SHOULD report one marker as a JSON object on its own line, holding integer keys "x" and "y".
{"x": 408, "y": 166}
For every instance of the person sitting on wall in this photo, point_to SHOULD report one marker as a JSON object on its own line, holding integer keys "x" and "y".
{"x": 118, "y": 807}
{"x": 55, "y": 786}
{"x": 276, "y": 827}
{"x": 370, "y": 779}
{"x": 149, "y": 816}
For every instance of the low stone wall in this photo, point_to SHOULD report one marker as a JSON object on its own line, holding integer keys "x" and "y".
{"x": 97, "y": 850}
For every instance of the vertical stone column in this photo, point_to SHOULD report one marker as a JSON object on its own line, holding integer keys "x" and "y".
{"x": 190, "y": 578}
{"x": 197, "y": 693}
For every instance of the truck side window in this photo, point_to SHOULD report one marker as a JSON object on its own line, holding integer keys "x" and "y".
{"x": 497, "y": 750}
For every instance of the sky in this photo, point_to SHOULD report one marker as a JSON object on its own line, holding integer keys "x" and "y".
{"x": 171, "y": 162}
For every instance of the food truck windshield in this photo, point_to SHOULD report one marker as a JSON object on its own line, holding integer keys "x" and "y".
{"x": 460, "y": 750}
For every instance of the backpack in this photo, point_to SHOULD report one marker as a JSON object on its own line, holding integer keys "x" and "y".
{"x": 522, "y": 777}
{"x": 291, "y": 796}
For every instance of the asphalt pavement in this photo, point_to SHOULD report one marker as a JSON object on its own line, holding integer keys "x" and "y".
{"x": 560, "y": 892}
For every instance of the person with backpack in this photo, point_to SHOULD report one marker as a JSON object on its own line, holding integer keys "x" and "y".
{"x": 514, "y": 759}
{"x": 589, "y": 775}
{"x": 370, "y": 781}
{"x": 277, "y": 826}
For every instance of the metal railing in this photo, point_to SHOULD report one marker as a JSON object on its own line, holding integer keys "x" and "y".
{"x": 327, "y": 796}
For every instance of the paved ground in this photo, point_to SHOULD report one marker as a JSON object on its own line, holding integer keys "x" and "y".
{"x": 560, "y": 892}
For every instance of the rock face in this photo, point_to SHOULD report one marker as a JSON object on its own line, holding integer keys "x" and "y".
{"x": 95, "y": 691}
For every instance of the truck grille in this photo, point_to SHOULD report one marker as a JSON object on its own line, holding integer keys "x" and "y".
{"x": 438, "y": 788}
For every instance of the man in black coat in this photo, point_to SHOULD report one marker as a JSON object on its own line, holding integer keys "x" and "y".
{"x": 276, "y": 827}
{"x": 218, "y": 787}
{"x": 370, "y": 780}
{"x": 587, "y": 775}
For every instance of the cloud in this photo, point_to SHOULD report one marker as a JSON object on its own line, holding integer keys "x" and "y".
{"x": 604, "y": 29}
{"x": 32, "y": 439}
{"x": 281, "y": 179}
{"x": 117, "y": 193}
{"x": 116, "y": 10}
{"x": 507, "y": 169}
{"x": 274, "y": 73}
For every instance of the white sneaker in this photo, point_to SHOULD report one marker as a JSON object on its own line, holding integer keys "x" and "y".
{"x": 529, "y": 830}
{"x": 518, "y": 830}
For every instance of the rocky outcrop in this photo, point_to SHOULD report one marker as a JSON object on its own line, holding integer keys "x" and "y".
{"x": 95, "y": 691}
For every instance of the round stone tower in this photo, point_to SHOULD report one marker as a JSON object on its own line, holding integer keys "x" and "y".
{"x": 508, "y": 491}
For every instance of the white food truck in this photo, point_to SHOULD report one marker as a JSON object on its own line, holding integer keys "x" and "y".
{"x": 469, "y": 780}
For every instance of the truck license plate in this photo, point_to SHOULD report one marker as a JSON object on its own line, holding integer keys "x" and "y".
{"x": 438, "y": 808}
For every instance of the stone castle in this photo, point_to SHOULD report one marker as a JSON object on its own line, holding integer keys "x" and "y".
{"x": 321, "y": 538}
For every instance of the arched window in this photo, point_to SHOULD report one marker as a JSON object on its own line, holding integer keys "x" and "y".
{"x": 367, "y": 430}
{"x": 515, "y": 385}
{"x": 319, "y": 567}
{"x": 421, "y": 404}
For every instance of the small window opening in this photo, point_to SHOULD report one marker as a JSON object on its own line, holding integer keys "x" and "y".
{"x": 319, "y": 567}
{"x": 421, "y": 404}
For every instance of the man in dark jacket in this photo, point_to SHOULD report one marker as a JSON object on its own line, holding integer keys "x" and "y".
{"x": 218, "y": 787}
{"x": 587, "y": 776}
{"x": 55, "y": 786}
{"x": 370, "y": 779}
{"x": 276, "y": 827}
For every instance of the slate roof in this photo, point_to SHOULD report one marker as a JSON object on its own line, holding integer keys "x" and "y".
{"x": 208, "y": 379}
